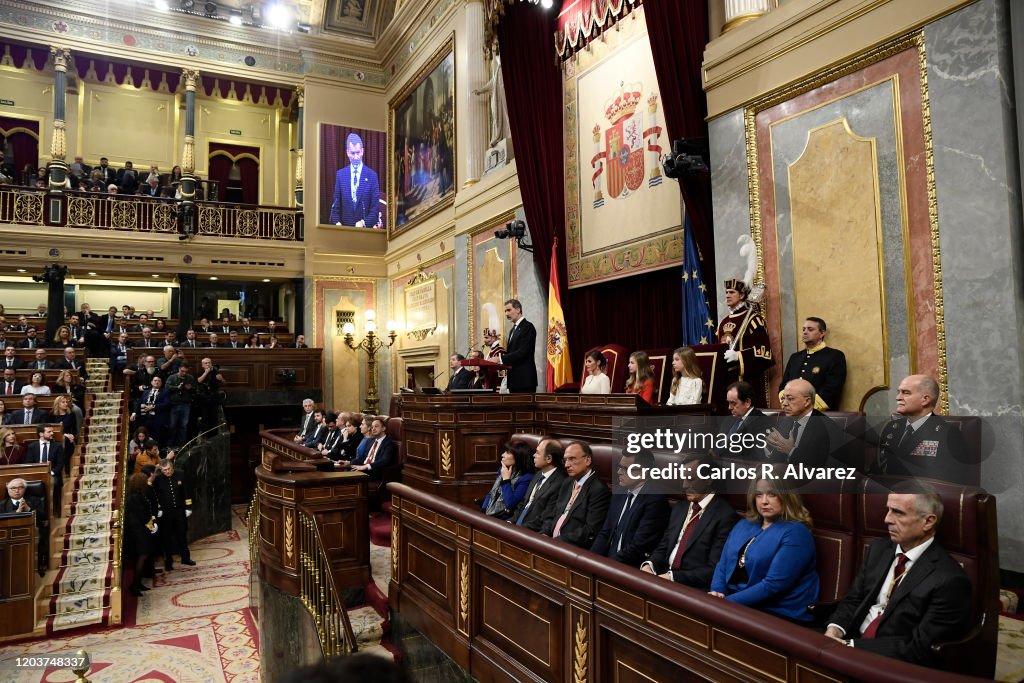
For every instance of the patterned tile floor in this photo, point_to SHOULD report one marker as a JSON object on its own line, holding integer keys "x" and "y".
{"x": 194, "y": 626}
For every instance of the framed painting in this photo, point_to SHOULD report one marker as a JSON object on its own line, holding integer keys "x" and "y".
{"x": 421, "y": 139}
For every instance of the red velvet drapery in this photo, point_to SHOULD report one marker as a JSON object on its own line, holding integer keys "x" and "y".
{"x": 643, "y": 311}
{"x": 220, "y": 167}
{"x": 21, "y": 148}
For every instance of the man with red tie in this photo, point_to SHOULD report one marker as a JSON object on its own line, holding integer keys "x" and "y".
{"x": 11, "y": 385}
{"x": 381, "y": 452}
{"x": 583, "y": 501}
{"x": 909, "y": 592}
{"x": 696, "y": 533}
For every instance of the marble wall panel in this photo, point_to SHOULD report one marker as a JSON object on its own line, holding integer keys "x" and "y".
{"x": 730, "y": 198}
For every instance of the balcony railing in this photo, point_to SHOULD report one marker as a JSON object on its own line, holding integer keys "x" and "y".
{"x": 131, "y": 213}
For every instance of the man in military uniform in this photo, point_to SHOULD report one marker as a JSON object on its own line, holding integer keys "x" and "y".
{"x": 175, "y": 496}
{"x": 744, "y": 332}
{"x": 819, "y": 364}
{"x": 919, "y": 443}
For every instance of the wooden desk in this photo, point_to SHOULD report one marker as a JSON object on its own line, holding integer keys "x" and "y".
{"x": 336, "y": 501}
{"x": 453, "y": 442}
{"x": 17, "y": 574}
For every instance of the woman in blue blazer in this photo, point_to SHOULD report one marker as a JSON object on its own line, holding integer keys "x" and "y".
{"x": 769, "y": 562}
{"x": 512, "y": 482}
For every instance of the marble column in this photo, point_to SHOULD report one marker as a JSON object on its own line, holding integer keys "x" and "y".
{"x": 58, "y": 167}
{"x": 188, "y": 156}
{"x": 476, "y": 109}
{"x": 300, "y": 92}
{"x": 741, "y": 11}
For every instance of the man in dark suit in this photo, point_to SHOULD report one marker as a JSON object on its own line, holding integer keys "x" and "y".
{"x": 636, "y": 516}
{"x": 109, "y": 175}
{"x": 819, "y": 364}
{"x": 11, "y": 386}
{"x": 10, "y": 361}
{"x": 697, "y": 530}
{"x": 308, "y": 423}
{"x": 300, "y": 342}
{"x": 18, "y": 501}
{"x": 382, "y": 452}
{"x": 522, "y": 342}
{"x": 460, "y": 376}
{"x": 909, "y": 593}
{"x": 28, "y": 414}
{"x": 40, "y": 363}
{"x": 356, "y": 190}
{"x": 154, "y": 407}
{"x": 213, "y": 344}
{"x": 46, "y": 450}
{"x": 538, "y": 505}
{"x": 919, "y": 443}
{"x": 233, "y": 342}
{"x": 805, "y": 435}
{"x": 31, "y": 341}
{"x": 128, "y": 179}
{"x": 190, "y": 340}
{"x": 583, "y": 501}
{"x": 119, "y": 351}
{"x": 739, "y": 397}
{"x": 319, "y": 429}
{"x": 71, "y": 362}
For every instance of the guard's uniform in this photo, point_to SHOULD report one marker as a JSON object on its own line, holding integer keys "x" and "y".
{"x": 822, "y": 366}
{"x": 175, "y": 496}
{"x": 752, "y": 345}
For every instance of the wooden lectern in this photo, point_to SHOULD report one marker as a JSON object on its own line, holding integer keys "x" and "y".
{"x": 17, "y": 573}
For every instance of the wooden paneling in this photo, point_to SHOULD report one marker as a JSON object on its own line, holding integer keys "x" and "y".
{"x": 17, "y": 572}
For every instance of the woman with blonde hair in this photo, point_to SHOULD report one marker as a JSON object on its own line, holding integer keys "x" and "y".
{"x": 63, "y": 414}
{"x": 36, "y": 385}
{"x": 768, "y": 561}
{"x": 11, "y": 452}
{"x": 63, "y": 338}
{"x": 687, "y": 385}
{"x": 596, "y": 381}
{"x": 641, "y": 377}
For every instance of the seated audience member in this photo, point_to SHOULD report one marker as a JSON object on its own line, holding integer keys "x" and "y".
{"x": 819, "y": 364}
{"x": 119, "y": 353}
{"x": 477, "y": 379}
{"x": 213, "y": 341}
{"x": 28, "y": 413}
{"x": 145, "y": 373}
{"x": 21, "y": 326}
{"x": 458, "y": 376}
{"x": 909, "y": 593}
{"x": 151, "y": 188}
{"x": 739, "y": 397}
{"x": 245, "y": 327}
{"x": 538, "y": 505}
{"x": 204, "y": 326}
{"x": 381, "y": 452}
{"x": 316, "y": 435}
{"x": 351, "y": 437}
{"x": 70, "y": 362}
{"x": 17, "y": 501}
{"x": 10, "y": 360}
{"x": 810, "y": 437}
{"x": 63, "y": 338}
{"x": 363, "y": 447}
{"x": 40, "y": 363}
{"x": 36, "y": 385}
{"x": 512, "y": 482}
{"x": 919, "y": 443}
{"x": 127, "y": 179}
{"x": 332, "y": 437}
{"x": 67, "y": 384}
{"x": 272, "y": 343}
{"x": 697, "y": 530}
{"x": 225, "y": 324}
{"x": 641, "y": 377}
{"x": 189, "y": 341}
{"x": 300, "y": 342}
{"x": 3, "y": 335}
{"x": 45, "y": 450}
{"x": 233, "y": 342}
{"x": 768, "y": 562}
{"x": 147, "y": 341}
{"x": 307, "y": 424}
{"x": 271, "y": 326}
{"x": 11, "y": 452}
{"x": 111, "y": 188}
{"x": 596, "y": 381}
{"x": 582, "y": 502}
{"x": 11, "y": 386}
{"x": 636, "y": 518}
{"x": 159, "y": 325}
{"x": 687, "y": 385}
{"x": 65, "y": 416}
{"x": 31, "y": 341}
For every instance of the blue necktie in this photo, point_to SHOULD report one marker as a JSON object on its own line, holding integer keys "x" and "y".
{"x": 355, "y": 181}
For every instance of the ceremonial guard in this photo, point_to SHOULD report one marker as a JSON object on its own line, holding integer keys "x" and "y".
{"x": 175, "y": 496}
{"x": 821, "y": 365}
{"x": 744, "y": 332}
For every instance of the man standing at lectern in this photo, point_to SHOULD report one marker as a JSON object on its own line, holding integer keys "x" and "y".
{"x": 748, "y": 352}
{"x": 522, "y": 340}
{"x": 356, "y": 191}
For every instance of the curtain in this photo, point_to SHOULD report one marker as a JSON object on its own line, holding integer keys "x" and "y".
{"x": 21, "y": 148}
{"x": 678, "y": 32}
{"x": 220, "y": 167}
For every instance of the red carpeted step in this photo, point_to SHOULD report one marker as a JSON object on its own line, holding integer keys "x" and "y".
{"x": 380, "y": 529}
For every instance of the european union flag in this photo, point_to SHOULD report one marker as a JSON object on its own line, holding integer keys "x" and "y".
{"x": 698, "y": 327}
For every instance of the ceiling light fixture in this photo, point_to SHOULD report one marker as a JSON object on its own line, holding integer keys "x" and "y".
{"x": 302, "y": 27}
{"x": 236, "y": 17}
{"x": 155, "y": 275}
{"x": 213, "y": 277}
{"x": 162, "y": 5}
{"x": 266, "y": 279}
{"x": 92, "y": 273}
{"x": 279, "y": 15}
{"x": 21, "y": 270}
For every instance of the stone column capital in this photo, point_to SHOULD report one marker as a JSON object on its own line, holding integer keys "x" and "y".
{"x": 61, "y": 57}
{"x": 300, "y": 92}
{"x": 191, "y": 77}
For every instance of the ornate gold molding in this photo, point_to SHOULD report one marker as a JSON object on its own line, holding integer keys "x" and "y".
{"x": 394, "y": 548}
{"x": 191, "y": 77}
{"x": 188, "y": 155}
{"x": 289, "y": 533}
{"x": 464, "y": 590}
{"x": 58, "y": 146}
{"x": 61, "y": 57}
{"x": 446, "y": 453}
{"x": 300, "y": 93}
{"x": 579, "y": 669}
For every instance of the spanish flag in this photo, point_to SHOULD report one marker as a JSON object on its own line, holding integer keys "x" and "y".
{"x": 559, "y": 365}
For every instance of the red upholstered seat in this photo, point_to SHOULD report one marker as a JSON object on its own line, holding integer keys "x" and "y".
{"x": 661, "y": 366}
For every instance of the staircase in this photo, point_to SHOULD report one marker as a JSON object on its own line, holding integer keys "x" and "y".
{"x": 83, "y": 590}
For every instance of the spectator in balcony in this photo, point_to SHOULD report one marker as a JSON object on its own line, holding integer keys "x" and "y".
{"x": 6, "y": 168}
{"x": 42, "y": 174}
{"x": 11, "y": 452}
{"x": 104, "y": 173}
{"x": 111, "y": 188}
{"x": 151, "y": 188}
{"x": 36, "y": 385}
{"x": 214, "y": 343}
{"x": 768, "y": 562}
{"x": 175, "y": 176}
{"x": 30, "y": 341}
{"x": 300, "y": 342}
{"x": 154, "y": 173}
{"x": 513, "y": 480}
{"x": 79, "y": 169}
{"x": 41, "y": 362}
{"x": 190, "y": 340}
{"x": 128, "y": 179}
